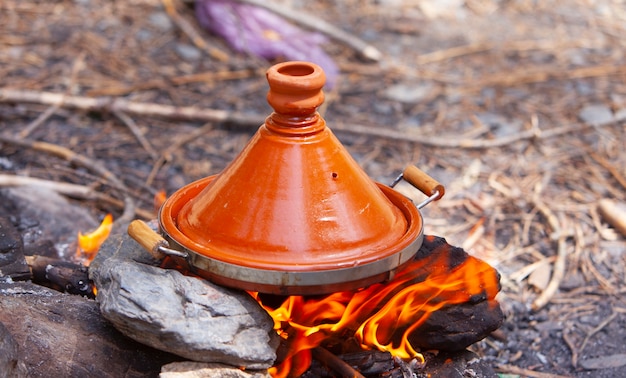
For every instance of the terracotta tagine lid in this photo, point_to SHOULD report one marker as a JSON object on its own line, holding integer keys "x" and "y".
{"x": 293, "y": 212}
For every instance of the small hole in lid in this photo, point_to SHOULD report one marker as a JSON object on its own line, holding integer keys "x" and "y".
{"x": 335, "y": 175}
{"x": 296, "y": 70}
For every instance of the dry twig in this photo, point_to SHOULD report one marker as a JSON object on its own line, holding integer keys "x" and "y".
{"x": 109, "y": 104}
{"x": 75, "y": 158}
{"x": 571, "y": 346}
{"x": 132, "y": 126}
{"x": 104, "y": 104}
{"x": 79, "y": 63}
{"x": 70, "y": 190}
{"x": 561, "y": 256}
{"x": 597, "y": 329}
{"x": 335, "y": 363}
{"x": 504, "y": 368}
{"x": 166, "y": 155}
{"x": 512, "y": 46}
{"x": 191, "y": 32}
{"x": 43, "y": 117}
{"x": 609, "y": 167}
{"x": 525, "y": 76}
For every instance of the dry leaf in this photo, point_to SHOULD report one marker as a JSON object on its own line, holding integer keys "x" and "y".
{"x": 540, "y": 277}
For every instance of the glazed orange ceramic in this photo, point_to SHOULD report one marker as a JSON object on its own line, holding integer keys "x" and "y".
{"x": 293, "y": 213}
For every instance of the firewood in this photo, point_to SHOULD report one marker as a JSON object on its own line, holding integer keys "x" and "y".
{"x": 335, "y": 363}
{"x": 61, "y": 275}
{"x": 370, "y": 362}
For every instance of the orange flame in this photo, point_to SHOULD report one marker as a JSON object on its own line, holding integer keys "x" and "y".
{"x": 89, "y": 244}
{"x": 384, "y": 315}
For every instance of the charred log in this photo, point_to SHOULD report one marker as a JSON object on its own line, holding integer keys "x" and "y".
{"x": 64, "y": 276}
{"x": 454, "y": 328}
{"x": 375, "y": 364}
{"x": 10, "y": 364}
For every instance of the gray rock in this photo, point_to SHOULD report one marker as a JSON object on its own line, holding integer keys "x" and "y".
{"x": 62, "y": 335}
{"x": 161, "y": 21}
{"x": 596, "y": 114}
{"x": 189, "y": 369}
{"x": 409, "y": 93}
{"x": 120, "y": 247}
{"x": 187, "y": 52}
{"x": 187, "y": 316}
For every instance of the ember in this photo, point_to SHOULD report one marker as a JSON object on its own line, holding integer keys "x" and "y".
{"x": 381, "y": 316}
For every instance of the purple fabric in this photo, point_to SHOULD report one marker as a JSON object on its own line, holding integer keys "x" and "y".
{"x": 259, "y": 32}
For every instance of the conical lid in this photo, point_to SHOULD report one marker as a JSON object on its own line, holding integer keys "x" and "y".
{"x": 293, "y": 200}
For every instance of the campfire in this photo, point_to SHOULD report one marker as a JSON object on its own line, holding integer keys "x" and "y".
{"x": 311, "y": 257}
{"x": 384, "y": 316}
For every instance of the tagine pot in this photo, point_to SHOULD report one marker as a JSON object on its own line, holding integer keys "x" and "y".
{"x": 293, "y": 213}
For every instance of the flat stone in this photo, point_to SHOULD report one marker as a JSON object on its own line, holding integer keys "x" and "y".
{"x": 188, "y": 369}
{"x": 187, "y": 316}
{"x": 120, "y": 247}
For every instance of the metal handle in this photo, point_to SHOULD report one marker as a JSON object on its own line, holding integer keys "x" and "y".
{"x": 151, "y": 241}
{"x": 423, "y": 182}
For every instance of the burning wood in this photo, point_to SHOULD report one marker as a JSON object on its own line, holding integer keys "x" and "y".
{"x": 385, "y": 316}
{"x": 442, "y": 300}
{"x": 60, "y": 275}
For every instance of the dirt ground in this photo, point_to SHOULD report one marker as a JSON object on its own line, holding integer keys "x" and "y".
{"x": 517, "y": 107}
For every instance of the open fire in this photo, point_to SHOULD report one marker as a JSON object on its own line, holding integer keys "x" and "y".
{"x": 88, "y": 244}
{"x": 381, "y": 316}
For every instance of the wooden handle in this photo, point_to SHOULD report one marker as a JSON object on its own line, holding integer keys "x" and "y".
{"x": 147, "y": 238}
{"x": 422, "y": 181}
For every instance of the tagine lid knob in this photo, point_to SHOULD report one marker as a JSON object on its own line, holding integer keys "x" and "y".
{"x": 295, "y": 88}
